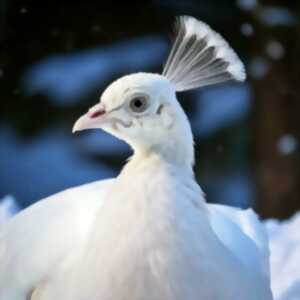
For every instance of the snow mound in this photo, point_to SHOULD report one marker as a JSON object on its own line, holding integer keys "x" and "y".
{"x": 285, "y": 257}
{"x": 8, "y": 208}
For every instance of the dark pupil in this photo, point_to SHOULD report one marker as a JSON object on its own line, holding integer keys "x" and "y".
{"x": 138, "y": 103}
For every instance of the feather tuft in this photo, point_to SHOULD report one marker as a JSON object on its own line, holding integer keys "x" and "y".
{"x": 200, "y": 56}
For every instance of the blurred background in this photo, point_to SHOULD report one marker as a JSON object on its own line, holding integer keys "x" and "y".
{"x": 57, "y": 57}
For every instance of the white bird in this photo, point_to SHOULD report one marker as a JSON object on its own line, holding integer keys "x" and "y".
{"x": 147, "y": 234}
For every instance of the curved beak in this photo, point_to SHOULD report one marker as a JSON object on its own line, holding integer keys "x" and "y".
{"x": 92, "y": 119}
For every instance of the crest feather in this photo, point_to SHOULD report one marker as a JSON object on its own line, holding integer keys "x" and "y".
{"x": 200, "y": 56}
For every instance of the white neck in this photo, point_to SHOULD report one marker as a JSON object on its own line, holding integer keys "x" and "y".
{"x": 144, "y": 161}
{"x": 153, "y": 169}
{"x": 176, "y": 148}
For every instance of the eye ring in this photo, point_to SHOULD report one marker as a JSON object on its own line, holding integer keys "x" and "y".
{"x": 139, "y": 103}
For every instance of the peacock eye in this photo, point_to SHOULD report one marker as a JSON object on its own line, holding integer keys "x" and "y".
{"x": 139, "y": 104}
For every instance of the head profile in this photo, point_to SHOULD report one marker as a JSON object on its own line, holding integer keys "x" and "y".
{"x": 142, "y": 108}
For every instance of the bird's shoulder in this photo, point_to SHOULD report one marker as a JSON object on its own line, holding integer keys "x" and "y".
{"x": 42, "y": 236}
{"x": 80, "y": 198}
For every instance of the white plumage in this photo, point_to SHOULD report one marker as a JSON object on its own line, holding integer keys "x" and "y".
{"x": 147, "y": 234}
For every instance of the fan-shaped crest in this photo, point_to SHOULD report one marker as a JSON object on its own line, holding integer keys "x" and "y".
{"x": 200, "y": 56}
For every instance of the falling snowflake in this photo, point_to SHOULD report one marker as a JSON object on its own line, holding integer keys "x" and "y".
{"x": 246, "y": 5}
{"x": 220, "y": 149}
{"x": 54, "y": 32}
{"x": 275, "y": 50}
{"x": 8, "y": 208}
{"x": 96, "y": 28}
{"x": 23, "y": 10}
{"x": 247, "y": 29}
{"x": 287, "y": 144}
{"x": 259, "y": 67}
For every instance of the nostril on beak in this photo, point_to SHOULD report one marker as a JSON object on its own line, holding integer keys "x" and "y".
{"x": 97, "y": 113}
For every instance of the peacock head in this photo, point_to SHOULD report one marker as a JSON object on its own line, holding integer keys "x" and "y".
{"x": 142, "y": 108}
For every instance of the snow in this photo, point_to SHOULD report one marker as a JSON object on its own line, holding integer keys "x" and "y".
{"x": 246, "y": 5}
{"x": 23, "y": 10}
{"x": 8, "y": 208}
{"x": 247, "y": 29}
{"x": 259, "y": 67}
{"x": 96, "y": 28}
{"x": 285, "y": 257}
{"x": 54, "y": 32}
{"x": 275, "y": 50}
{"x": 287, "y": 144}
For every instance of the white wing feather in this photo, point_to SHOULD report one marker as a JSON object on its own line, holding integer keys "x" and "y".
{"x": 243, "y": 233}
{"x": 200, "y": 56}
{"x": 44, "y": 236}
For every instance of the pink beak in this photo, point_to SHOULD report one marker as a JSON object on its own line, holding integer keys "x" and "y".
{"x": 92, "y": 119}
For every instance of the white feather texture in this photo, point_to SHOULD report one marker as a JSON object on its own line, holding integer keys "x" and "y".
{"x": 200, "y": 56}
{"x": 35, "y": 259}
